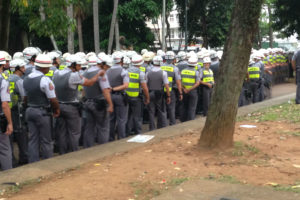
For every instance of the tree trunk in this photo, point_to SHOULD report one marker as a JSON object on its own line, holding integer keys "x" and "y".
{"x": 112, "y": 26}
{"x": 205, "y": 34}
{"x": 259, "y": 39}
{"x": 220, "y": 123}
{"x": 270, "y": 26}
{"x": 117, "y": 34}
{"x": 157, "y": 31}
{"x": 96, "y": 25}
{"x": 43, "y": 18}
{"x": 4, "y": 23}
{"x": 24, "y": 39}
{"x": 70, "y": 31}
{"x": 80, "y": 38}
{"x": 168, "y": 30}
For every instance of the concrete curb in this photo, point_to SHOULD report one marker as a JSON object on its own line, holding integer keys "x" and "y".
{"x": 72, "y": 160}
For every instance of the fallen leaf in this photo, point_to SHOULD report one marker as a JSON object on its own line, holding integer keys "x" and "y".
{"x": 177, "y": 168}
{"x": 180, "y": 190}
{"x": 295, "y": 186}
{"x": 272, "y": 184}
{"x": 148, "y": 151}
{"x": 97, "y": 164}
{"x": 297, "y": 166}
{"x": 160, "y": 172}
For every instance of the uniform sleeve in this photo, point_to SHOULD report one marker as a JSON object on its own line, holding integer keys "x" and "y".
{"x": 177, "y": 74}
{"x": 197, "y": 76}
{"x": 103, "y": 82}
{"x": 5, "y": 96}
{"x": 75, "y": 79}
{"x": 165, "y": 77}
{"x": 125, "y": 76}
{"x": 20, "y": 87}
{"x": 142, "y": 77}
{"x": 47, "y": 87}
{"x": 295, "y": 55}
{"x": 201, "y": 74}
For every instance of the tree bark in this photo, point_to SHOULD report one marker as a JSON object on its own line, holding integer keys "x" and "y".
{"x": 4, "y": 23}
{"x": 79, "y": 31}
{"x": 270, "y": 26}
{"x": 117, "y": 34}
{"x": 96, "y": 25}
{"x": 112, "y": 26}
{"x": 70, "y": 31}
{"x": 205, "y": 34}
{"x": 168, "y": 35}
{"x": 220, "y": 123}
{"x": 43, "y": 18}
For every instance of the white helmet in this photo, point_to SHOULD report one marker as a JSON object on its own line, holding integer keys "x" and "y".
{"x": 144, "y": 51}
{"x": 193, "y": 61}
{"x": 2, "y": 58}
{"x": 43, "y": 61}
{"x": 109, "y": 61}
{"x": 170, "y": 55}
{"x": 101, "y": 54}
{"x": 206, "y": 60}
{"x": 17, "y": 62}
{"x": 28, "y": 52}
{"x": 129, "y": 54}
{"x": 117, "y": 57}
{"x": 160, "y": 53}
{"x": 53, "y": 55}
{"x": 147, "y": 56}
{"x": 80, "y": 54}
{"x": 137, "y": 60}
{"x": 71, "y": 59}
{"x": 157, "y": 60}
{"x": 92, "y": 60}
{"x": 18, "y": 55}
{"x": 6, "y": 55}
{"x": 90, "y": 54}
{"x": 81, "y": 61}
{"x": 181, "y": 55}
{"x": 220, "y": 54}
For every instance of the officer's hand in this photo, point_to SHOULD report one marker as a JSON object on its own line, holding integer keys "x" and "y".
{"x": 56, "y": 113}
{"x": 146, "y": 101}
{"x": 168, "y": 100}
{"x": 209, "y": 85}
{"x": 9, "y": 129}
{"x": 185, "y": 91}
{"x": 180, "y": 97}
{"x": 110, "y": 109}
{"x": 101, "y": 73}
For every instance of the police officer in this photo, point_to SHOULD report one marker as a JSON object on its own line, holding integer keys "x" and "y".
{"x": 6, "y": 70}
{"x": 190, "y": 81}
{"x": 6, "y": 120}
{"x": 17, "y": 66}
{"x": 157, "y": 80}
{"x": 215, "y": 64}
{"x": 119, "y": 80}
{"x": 55, "y": 64}
{"x": 98, "y": 105}
{"x": 182, "y": 62}
{"x": 296, "y": 68}
{"x": 68, "y": 124}
{"x": 207, "y": 80}
{"x": 39, "y": 94}
{"x": 255, "y": 75}
{"x": 135, "y": 99}
{"x": 173, "y": 77}
{"x": 30, "y": 54}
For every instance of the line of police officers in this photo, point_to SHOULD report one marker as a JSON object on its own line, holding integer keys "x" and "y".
{"x": 99, "y": 98}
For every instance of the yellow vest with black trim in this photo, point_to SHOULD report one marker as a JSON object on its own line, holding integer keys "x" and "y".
{"x": 188, "y": 77}
{"x": 143, "y": 69}
{"x": 61, "y": 67}
{"x": 208, "y": 76}
{"x": 170, "y": 71}
{"x": 15, "y": 97}
{"x": 133, "y": 89}
{"x": 50, "y": 73}
{"x": 254, "y": 72}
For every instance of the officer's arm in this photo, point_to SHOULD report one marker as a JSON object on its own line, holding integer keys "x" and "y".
{"x": 146, "y": 91}
{"x": 106, "y": 94}
{"x": 94, "y": 79}
{"x": 7, "y": 113}
{"x": 55, "y": 106}
{"x": 294, "y": 65}
{"x": 121, "y": 87}
{"x": 194, "y": 86}
{"x": 167, "y": 90}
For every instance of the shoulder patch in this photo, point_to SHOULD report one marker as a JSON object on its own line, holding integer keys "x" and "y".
{"x": 51, "y": 87}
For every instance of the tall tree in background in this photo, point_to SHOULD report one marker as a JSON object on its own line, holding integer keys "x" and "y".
{"x": 287, "y": 17}
{"x": 4, "y": 23}
{"x": 96, "y": 25}
{"x": 220, "y": 122}
{"x": 112, "y": 26}
{"x": 70, "y": 14}
{"x": 269, "y": 4}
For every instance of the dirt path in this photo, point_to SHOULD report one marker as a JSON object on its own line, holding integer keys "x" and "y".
{"x": 269, "y": 153}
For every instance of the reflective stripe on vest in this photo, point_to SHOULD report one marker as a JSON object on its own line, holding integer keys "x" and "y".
{"x": 143, "y": 69}
{"x": 50, "y": 73}
{"x": 14, "y": 97}
{"x": 254, "y": 72}
{"x": 188, "y": 78}
{"x": 170, "y": 71}
{"x": 208, "y": 76}
{"x": 4, "y": 76}
{"x": 61, "y": 67}
{"x": 133, "y": 89}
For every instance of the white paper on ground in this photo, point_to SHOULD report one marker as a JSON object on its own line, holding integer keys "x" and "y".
{"x": 247, "y": 126}
{"x": 141, "y": 138}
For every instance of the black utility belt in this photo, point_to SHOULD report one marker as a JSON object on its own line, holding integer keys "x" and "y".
{"x": 118, "y": 92}
{"x": 47, "y": 108}
{"x": 70, "y": 103}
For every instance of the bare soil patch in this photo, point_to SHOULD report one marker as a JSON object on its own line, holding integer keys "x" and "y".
{"x": 264, "y": 155}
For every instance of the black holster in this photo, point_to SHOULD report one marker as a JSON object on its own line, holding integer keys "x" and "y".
{"x": 100, "y": 103}
{"x": 3, "y": 122}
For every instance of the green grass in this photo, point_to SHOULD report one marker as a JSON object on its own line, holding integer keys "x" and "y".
{"x": 287, "y": 132}
{"x": 177, "y": 181}
{"x": 241, "y": 149}
{"x": 287, "y": 188}
{"x": 284, "y": 112}
{"x": 223, "y": 179}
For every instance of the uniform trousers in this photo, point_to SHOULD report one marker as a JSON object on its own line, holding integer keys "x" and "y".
{"x": 171, "y": 109}
{"x": 5, "y": 152}
{"x": 206, "y": 99}
{"x": 188, "y": 106}
{"x": 40, "y": 128}
{"x": 97, "y": 125}
{"x": 68, "y": 128}
{"x": 135, "y": 120}
{"x": 298, "y": 86}
{"x": 157, "y": 104}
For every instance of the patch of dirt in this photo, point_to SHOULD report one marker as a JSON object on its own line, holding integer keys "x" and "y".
{"x": 268, "y": 153}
